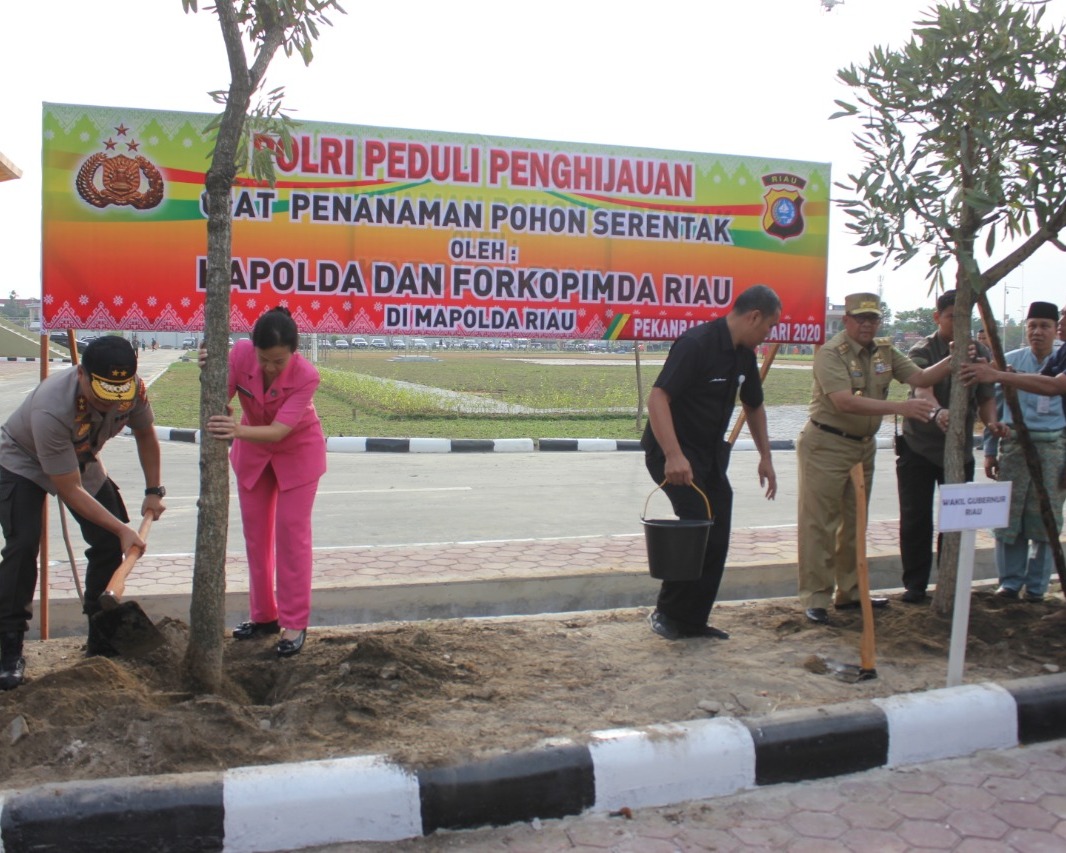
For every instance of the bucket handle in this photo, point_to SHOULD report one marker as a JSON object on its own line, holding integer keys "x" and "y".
{"x": 644, "y": 513}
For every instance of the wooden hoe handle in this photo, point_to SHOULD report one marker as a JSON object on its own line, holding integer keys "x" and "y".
{"x": 866, "y": 647}
{"x": 109, "y": 598}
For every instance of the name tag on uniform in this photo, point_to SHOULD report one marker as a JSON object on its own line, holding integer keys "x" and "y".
{"x": 880, "y": 367}
{"x": 242, "y": 390}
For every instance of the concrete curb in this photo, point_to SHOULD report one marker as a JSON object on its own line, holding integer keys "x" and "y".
{"x": 30, "y": 358}
{"x": 370, "y": 798}
{"x": 370, "y": 444}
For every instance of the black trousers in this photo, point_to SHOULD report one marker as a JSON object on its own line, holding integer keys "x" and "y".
{"x": 20, "y": 519}
{"x": 689, "y": 603}
{"x": 916, "y": 481}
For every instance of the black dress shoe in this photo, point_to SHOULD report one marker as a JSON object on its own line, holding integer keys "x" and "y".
{"x": 12, "y": 663}
{"x": 1006, "y": 592}
{"x": 708, "y": 631}
{"x": 12, "y": 673}
{"x": 818, "y": 615}
{"x": 288, "y": 648}
{"x": 877, "y": 603}
{"x": 913, "y": 596}
{"x": 247, "y": 630}
{"x": 664, "y": 626}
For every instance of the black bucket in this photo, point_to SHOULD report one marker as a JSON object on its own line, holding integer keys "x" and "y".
{"x": 676, "y": 545}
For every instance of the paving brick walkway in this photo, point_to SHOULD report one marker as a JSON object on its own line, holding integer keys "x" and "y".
{"x": 339, "y": 568}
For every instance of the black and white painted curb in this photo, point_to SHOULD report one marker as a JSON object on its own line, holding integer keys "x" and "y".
{"x": 29, "y": 358}
{"x": 365, "y": 444}
{"x": 369, "y": 798}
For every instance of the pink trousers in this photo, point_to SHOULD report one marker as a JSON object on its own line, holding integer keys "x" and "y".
{"x": 277, "y": 540}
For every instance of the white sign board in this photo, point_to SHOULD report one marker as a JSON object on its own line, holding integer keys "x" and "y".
{"x": 974, "y": 506}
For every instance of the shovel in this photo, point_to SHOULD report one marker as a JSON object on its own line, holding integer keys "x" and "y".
{"x": 866, "y": 670}
{"x": 123, "y": 623}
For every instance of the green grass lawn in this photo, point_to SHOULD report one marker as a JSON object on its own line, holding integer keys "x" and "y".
{"x": 583, "y": 400}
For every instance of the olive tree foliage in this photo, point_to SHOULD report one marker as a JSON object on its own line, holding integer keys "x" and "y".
{"x": 253, "y": 31}
{"x": 962, "y": 134}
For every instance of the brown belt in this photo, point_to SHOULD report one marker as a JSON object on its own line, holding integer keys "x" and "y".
{"x": 833, "y": 430}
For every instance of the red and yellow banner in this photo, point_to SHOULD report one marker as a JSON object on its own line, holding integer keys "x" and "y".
{"x": 380, "y": 230}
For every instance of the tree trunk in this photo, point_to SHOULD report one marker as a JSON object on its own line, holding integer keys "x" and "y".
{"x": 203, "y": 658}
{"x": 954, "y": 443}
{"x": 202, "y": 666}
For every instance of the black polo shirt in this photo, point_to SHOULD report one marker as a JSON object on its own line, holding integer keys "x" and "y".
{"x": 702, "y": 375}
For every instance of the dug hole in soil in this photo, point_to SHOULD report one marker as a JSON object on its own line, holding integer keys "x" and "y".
{"x": 448, "y": 692}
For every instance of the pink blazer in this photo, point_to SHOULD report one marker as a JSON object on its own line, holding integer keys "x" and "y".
{"x": 300, "y": 457}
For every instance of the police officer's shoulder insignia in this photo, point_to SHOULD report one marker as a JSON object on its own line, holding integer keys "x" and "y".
{"x": 843, "y": 348}
{"x": 883, "y": 342}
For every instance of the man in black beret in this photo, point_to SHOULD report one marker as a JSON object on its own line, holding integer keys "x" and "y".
{"x": 51, "y": 445}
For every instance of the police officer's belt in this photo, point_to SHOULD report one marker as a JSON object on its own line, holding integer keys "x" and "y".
{"x": 840, "y": 432}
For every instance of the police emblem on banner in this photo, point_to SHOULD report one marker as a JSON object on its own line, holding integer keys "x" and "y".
{"x": 783, "y": 216}
{"x": 105, "y": 179}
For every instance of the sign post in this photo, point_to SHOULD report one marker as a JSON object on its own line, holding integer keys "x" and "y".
{"x": 968, "y": 507}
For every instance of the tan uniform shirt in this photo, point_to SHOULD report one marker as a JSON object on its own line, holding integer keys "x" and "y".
{"x": 844, "y": 365}
{"x": 55, "y": 431}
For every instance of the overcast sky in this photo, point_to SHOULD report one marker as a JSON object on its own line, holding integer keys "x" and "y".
{"x": 753, "y": 77}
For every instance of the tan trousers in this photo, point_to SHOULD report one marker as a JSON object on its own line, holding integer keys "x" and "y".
{"x": 827, "y": 514}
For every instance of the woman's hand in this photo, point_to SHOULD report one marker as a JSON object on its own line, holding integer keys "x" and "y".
{"x": 201, "y": 356}
{"x": 223, "y": 427}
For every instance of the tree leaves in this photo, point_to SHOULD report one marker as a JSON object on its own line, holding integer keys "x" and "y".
{"x": 963, "y": 130}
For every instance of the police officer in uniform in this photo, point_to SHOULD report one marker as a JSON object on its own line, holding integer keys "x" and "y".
{"x": 852, "y": 375}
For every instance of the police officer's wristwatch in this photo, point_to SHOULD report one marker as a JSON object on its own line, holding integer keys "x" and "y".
{"x": 156, "y": 490}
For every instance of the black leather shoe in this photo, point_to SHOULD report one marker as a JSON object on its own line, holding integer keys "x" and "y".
{"x": 707, "y": 631}
{"x": 288, "y": 648}
{"x": 247, "y": 630}
{"x": 876, "y": 603}
{"x": 12, "y": 663}
{"x": 818, "y": 615}
{"x": 664, "y": 626}
{"x": 913, "y": 596}
{"x": 12, "y": 674}
{"x": 1006, "y": 592}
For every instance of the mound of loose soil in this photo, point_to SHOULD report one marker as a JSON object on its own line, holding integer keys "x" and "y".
{"x": 452, "y": 691}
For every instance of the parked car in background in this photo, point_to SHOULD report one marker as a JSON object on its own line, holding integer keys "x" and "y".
{"x": 63, "y": 340}
{"x": 399, "y": 343}
{"x": 325, "y": 345}
{"x": 188, "y": 343}
{"x": 419, "y": 343}
{"x": 470, "y": 343}
{"x": 340, "y": 343}
{"x": 360, "y": 343}
{"x": 378, "y": 343}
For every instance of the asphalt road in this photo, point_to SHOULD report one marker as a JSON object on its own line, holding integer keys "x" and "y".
{"x": 374, "y": 499}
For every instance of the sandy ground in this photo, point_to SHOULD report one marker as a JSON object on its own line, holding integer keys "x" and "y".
{"x": 446, "y": 692}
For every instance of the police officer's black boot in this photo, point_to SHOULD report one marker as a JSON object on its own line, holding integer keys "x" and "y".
{"x": 12, "y": 663}
{"x": 98, "y": 644}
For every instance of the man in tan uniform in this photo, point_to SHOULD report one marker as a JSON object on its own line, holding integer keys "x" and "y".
{"x": 852, "y": 375}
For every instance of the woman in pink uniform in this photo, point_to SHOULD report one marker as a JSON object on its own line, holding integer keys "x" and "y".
{"x": 279, "y": 454}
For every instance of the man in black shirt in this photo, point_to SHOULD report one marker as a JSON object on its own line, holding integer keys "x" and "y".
{"x": 688, "y": 413}
{"x": 920, "y": 453}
